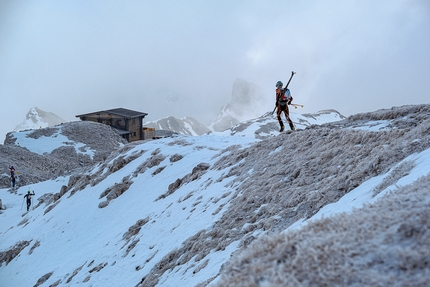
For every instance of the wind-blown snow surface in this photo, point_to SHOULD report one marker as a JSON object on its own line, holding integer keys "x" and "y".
{"x": 171, "y": 212}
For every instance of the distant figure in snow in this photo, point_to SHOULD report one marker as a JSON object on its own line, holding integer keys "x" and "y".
{"x": 283, "y": 99}
{"x": 28, "y": 196}
{"x": 13, "y": 179}
{"x": 12, "y": 171}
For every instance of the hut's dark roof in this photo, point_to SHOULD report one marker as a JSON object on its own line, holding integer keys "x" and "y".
{"x": 126, "y": 113}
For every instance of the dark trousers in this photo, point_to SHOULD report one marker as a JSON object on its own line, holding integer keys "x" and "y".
{"x": 283, "y": 108}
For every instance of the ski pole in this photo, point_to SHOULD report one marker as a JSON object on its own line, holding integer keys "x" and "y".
{"x": 297, "y": 105}
{"x": 22, "y": 203}
{"x": 273, "y": 110}
{"x": 32, "y": 206}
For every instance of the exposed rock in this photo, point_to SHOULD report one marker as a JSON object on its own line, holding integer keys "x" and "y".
{"x": 43, "y": 279}
{"x": 8, "y": 255}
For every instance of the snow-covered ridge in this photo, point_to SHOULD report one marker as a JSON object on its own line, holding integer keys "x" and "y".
{"x": 267, "y": 124}
{"x": 172, "y": 212}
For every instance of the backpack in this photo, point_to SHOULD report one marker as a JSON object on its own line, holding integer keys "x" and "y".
{"x": 286, "y": 96}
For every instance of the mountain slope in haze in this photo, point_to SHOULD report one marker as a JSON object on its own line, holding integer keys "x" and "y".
{"x": 247, "y": 102}
{"x": 246, "y": 105}
{"x": 37, "y": 118}
{"x": 204, "y": 210}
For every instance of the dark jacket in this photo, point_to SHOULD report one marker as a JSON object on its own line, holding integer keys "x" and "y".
{"x": 28, "y": 196}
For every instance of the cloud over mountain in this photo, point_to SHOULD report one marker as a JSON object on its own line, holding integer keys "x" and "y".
{"x": 247, "y": 102}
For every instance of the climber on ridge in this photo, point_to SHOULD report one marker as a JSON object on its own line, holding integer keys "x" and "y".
{"x": 283, "y": 99}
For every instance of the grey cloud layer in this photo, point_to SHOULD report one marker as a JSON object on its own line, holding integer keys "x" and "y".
{"x": 181, "y": 59}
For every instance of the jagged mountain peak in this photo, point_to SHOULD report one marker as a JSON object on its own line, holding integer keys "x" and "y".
{"x": 247, "y": 102}
{"x": 37, "y": 118}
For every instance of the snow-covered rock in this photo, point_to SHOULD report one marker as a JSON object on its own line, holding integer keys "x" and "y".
{"x": 47, "y": 153}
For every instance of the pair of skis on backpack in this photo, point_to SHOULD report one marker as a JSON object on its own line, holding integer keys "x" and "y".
{"x": 291, "y": 104}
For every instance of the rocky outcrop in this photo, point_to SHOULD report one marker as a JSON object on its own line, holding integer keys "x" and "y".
{"x": 87, "y": 143}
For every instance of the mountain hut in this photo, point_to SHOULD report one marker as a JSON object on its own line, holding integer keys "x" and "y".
{"x": 127, "y": 123}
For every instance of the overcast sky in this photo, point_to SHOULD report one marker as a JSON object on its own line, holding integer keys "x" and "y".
{"x": 181, "y": 58}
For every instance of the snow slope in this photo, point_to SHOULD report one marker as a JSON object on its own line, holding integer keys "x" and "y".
{"x": 172, "y": 212}
{"x": 77, "y": 232}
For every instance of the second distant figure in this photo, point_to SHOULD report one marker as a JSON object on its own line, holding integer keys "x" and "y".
{"x": 28, "y": 197}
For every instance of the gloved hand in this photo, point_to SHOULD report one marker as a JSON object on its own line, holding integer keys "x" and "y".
{"x": 276, "y": 103}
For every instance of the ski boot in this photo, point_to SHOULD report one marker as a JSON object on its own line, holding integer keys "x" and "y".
{"x": 292, "y": 127}
{"x": 282, "y": 128}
